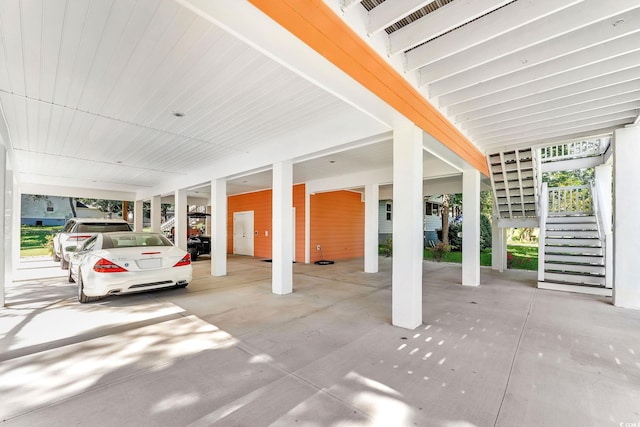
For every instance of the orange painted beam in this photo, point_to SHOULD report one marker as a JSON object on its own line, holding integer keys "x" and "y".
{"x": 313, "y": 22}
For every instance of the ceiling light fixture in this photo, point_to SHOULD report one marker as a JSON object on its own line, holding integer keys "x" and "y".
{"x": 332, "y": 161}
{"x": 178, "y": 114}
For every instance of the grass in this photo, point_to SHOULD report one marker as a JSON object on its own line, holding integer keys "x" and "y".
{"x": 33, "y": 239}
{"x": 522, "y": 257}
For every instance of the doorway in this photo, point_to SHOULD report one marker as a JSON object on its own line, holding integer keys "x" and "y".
{"x": 243, "y": 233}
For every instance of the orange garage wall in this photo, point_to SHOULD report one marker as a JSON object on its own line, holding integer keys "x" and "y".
{"x": 260, "y": 203}
{"x": 337, "y": 224}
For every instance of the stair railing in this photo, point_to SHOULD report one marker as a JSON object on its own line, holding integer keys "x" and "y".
{"x": 576, "y": 200}
{"x": 602, "y": 212}
{"x": 544, "y": 209}
{"x": 571, "y": 150}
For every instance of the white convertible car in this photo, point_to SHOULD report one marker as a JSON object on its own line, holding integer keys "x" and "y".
{"x": 127, "y": 262}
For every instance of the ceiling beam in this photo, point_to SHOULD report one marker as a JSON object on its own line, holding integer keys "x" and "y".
{"x": 390, "y": 12}
{"x": 497, "y": 23}
{"x": 609, "y": 114}
{"x": 559, "y": 115}
{"x": 506, "y": 101}
{"x": 507, "y": 112}
{"x": 500, "y": 121}
{"x": 550, "y": 75}
{"x": 313, "y": 22}
{"x": 567, "y": 31}
{"x": 563, "y": 133}
{"x": 438, "y": 22}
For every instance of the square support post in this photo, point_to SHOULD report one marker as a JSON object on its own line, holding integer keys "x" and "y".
{"x": 181, "y": 208}
{"x": 156, "y": 213}
{"x": 282, "y": 226}
{"x": 5, "y": 250}
{"x": 138, "y": 215}
{"x": 371, "y": 201}
{"x": 626, "y": 151}
{"x": 218, "y": 222}
{"x": 471, "y": 227}
{"x": 407, "y": 227}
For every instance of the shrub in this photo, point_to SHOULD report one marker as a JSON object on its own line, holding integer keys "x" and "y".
{"x": 485, "y": 234}
{"x": 439, "y": 250}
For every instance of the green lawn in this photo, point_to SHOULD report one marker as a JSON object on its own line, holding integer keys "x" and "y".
{"x": 522, "y": 257}
{"x": 33, "y": 240}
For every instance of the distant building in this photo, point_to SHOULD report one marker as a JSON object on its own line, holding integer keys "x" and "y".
{"x": 53, "y": 210}
{"x": 432, "y": 219}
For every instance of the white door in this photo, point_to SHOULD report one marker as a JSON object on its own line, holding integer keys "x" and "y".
{"x": 243, "y": 233}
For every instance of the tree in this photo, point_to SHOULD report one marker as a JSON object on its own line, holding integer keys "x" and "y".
{"x": 445, "y": 219}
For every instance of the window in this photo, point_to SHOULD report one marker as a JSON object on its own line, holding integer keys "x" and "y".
{"x": 49, "y": 206}
{"x": 388, "y": 211}
{"x": 432, "y": 209}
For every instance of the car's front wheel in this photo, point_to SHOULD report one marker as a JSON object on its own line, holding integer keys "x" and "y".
{"x": 81, "y": 296}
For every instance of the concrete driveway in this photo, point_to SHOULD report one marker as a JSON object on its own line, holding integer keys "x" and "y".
{"x": 226, "y": 351}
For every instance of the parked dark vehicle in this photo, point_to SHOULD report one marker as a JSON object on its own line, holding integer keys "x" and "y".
{"x": 197, "y": 245}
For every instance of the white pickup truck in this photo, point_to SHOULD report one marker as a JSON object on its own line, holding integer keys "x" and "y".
{"x": 77, "y": 230}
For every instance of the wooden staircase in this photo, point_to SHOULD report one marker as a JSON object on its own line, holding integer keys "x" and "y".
{"x": 575, "y": 245}
{"x": 574, "y": 255}
{"x": 513, "y": 178}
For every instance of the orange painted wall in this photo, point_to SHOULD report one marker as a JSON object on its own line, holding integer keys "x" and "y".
{"x": 260, "y": 203}
{"x": 337, "y": 224}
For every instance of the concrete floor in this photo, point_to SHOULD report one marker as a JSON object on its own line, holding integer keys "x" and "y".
{"x": 228, "y": 352}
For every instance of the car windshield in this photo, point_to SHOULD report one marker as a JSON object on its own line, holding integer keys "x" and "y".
{"x": 132, "y": 240}
{"x": 101, "y": 227}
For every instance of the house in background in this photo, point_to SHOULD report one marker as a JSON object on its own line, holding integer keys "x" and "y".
{"x": 53, "y": 210}
{"x": 431, "y": 214}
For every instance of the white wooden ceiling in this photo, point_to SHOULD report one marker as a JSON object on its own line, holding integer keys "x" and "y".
{"x": 89, "y": 90}
{"x": 513, "y": 72}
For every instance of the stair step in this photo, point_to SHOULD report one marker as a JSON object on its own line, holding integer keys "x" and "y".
{"x": 567, "y": 287}
{"x": 577, "y": 250}
{"x": 575, "y": 258}
{"x": 571, "y": 226}
{"x": 574, "y": 268}
{"x": 572, "y": 234}
{"x": 561, "y": 241}
{"x": 572, "y": 218}
{"x": 578, "y": 279}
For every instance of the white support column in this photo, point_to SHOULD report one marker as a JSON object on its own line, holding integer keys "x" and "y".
{"x": 307, "y": 225}
{"x": 156, "y": 213}
{"x": 138, "y": 215}
{"x": 5, "y": 250}
{"x": 498, "y": 240}
{"x": 471, "y": 228}
{"x": 208, "y": 220}
{"x": 498, "y": 246}
{"x": 219, "y": 225}
{"x": 371, "y": 201}
{"x": 407, "y": 227}
{"x": 626, "y": 211}
{"x": 180, "y": 203}
{"x": 282, "y": 229}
